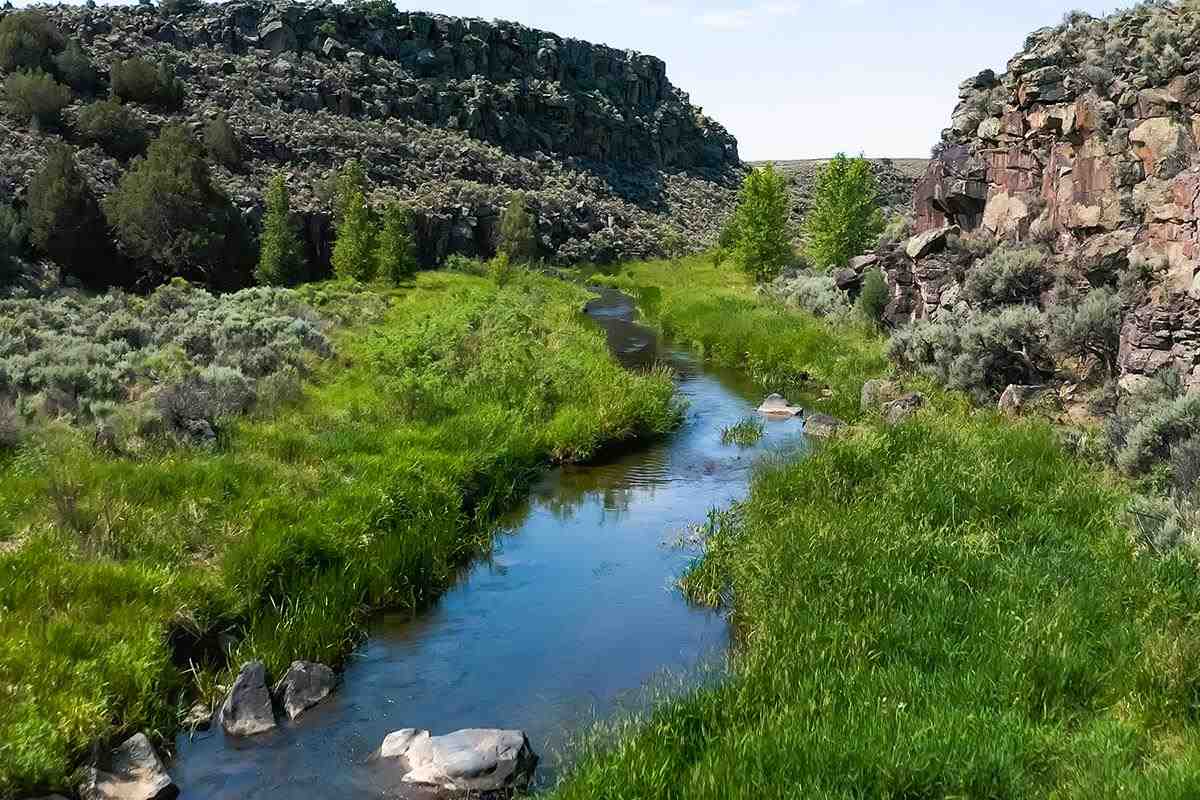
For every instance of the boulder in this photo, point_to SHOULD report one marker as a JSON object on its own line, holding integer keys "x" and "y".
{"x": 777, "y": 406}
{"x": 876, "y": 392}
{"x": 136, "y": 773}
{"x": 928, "y": 242}
{"x": 1016, "y": 400}
{"x": 305, "y": 685}
{"x": 470, "y": 762}
{"x": 822, "y": 425}
{"x": 902, "y": 408}
{"x": 247, "y": 710}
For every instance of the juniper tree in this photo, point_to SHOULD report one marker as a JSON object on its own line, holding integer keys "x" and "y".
{"x": 844, "y": 219}
{"x": 281, "y": 253}
{"x": 65, "y": 221}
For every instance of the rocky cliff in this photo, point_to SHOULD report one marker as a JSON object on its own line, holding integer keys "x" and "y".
{"x": 1088, "y": 143}
{"x": 449, "y": 114}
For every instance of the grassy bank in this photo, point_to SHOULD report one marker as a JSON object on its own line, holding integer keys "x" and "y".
{"x": 368, "y": 489}
{"x": 948, "y": 608}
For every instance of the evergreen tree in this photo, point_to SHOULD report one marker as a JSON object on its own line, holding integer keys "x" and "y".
{"x": 354, "y": 249}
{"x": 395, "y": 255}
{"x": 13, "y": 234}
{"x": 844, "y": 219}
{"x": 761, "y": 229}
{"x": 517, "y": 240}
{"x": 65, "y": 221}
{"x": 281, "y": 254}
{"x": 28, "y": 41}
{"x": 167, "y": 212}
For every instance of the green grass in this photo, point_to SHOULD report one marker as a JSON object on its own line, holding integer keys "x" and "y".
{"x": 743, "y": 433}
{"x": 716, "y": 311}
{"x": 950, "y": 608}
{"x": 368, "y": 491}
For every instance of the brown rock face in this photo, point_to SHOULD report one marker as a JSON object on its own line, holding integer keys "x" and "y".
{"x": 1089, "y": 143}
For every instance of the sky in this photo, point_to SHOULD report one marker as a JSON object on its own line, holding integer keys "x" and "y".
{"x": 805, "y": 78}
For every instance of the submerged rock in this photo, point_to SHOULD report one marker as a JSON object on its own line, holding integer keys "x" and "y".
{"x": 474, "y": 761}
{"x": 137, "y": 774}
{"x": 247, "y": 710}
{"x": 305, "y": 685}
{"x": 777, "y": 406}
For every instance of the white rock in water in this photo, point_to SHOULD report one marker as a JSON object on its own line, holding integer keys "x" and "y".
{"x": 473, "y": 760}
{"x": 247, "y": 710}
{"x": 776, "y": 406}
{"x": 305, "y": 685}
{"x": 137, "y": 774}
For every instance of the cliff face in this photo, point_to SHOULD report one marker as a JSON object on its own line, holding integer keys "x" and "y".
{"x": 449, "y": 114}
{"x": 1088, "y": 143}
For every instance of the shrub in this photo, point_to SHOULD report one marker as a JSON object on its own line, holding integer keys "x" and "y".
{"x": 517, "y": 239}
{"x": 209, "y": 397}
{"x": 221, "y": 142}
{"x": 1160, "y": 426}
{"x": 816, "y": 293}
{"x": 1091, "y": 328}
{"x": 873, "y": 298}
{"x": 13, "y": 236}
{"x": 760, "y": 231}
{"x": 1007, "y": 275}
{"x": 65, "y": 221}
{"x": 137, "y": 80}
{"x": 898, "y": 229}
{"x": 114, "y": 127}
{"x": 166, "y": 211}
{"x": 28, "y": 41}
{"x": 35, "y": 97}
{"x": 76, "y": 69}
{"x": 501, "y": 269}
{"x": 980, "y": 355}
{"x": 281, "y": 252}
{"x": 395, "y": 256}
{"x": 354, "y": 248}
{"x": 844, "y": 219}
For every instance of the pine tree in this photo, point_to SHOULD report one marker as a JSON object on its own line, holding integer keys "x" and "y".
{"x": 761, "y": 228}
{"x": 395, "y": 255}
{"x": 281, "y": 256}
{"x": 517, "y": 240}
{"x": 354, "y": 249}
{"x": 844, "y": 219}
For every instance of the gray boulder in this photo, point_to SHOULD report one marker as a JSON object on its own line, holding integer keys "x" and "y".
{"x": 875, "y": 393}
{"x": 928, "y": 242}
{"x": 777, "y": 406}
{"x": 247, "y": 710}
{"x": 902, "y": 408}
{"x": 305, "y": 685}
{"x": 822, "y": 425}
{"x": 137, "y": 774}
{"x": 468, "y": 762}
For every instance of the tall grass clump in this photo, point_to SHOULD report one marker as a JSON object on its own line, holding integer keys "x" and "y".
{"x": 367, "y": 487}
{"x": 948, "y": 608}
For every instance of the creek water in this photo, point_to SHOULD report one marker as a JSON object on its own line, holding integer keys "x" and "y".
{"x": 572, "y": 614}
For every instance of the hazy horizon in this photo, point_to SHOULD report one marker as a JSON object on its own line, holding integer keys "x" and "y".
{"x": 796, "y": 79}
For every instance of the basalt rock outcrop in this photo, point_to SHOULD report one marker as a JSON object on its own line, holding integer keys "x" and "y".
{"x": 451, "y": 115}
{"x": 1090, "y": 144}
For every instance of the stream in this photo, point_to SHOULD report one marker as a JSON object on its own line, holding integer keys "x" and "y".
{"x": 569, "y": 618}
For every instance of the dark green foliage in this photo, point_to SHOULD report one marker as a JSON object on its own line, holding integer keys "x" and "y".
{"x": 395, "y": 256}
{"x": 35, "y": 97}
{"x": 354, "y": 248}
{"x": 28, "y": 41}
{"x": 13, "y": 236}
{"x": 380, "y": 12}
{"x": 1007, "y": 275}
{"x": 844, "y": 219}
{"x": 1090, "y": 328}
{"x": 113, "y": 126}
{"x": 517, "y": 238}
{"x": 65, "y": 221}
{"x": 221, "y": 142}
{"x": 760, "y": 232}
{"x": 281, "y": 252}
{"x": 76, "y": 69}
{"x": 873, "y": 298}
{"x": 167, "y": 212}
{"x": 138, "y": 81}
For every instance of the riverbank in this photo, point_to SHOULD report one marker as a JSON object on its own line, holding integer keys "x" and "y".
{"x": 948, "y": 607}
{"x": 131, "y": 576}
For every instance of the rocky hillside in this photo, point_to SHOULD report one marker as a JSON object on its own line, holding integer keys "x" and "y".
{"x": 1088, "y": 146}
{"x": 449, "y": 114}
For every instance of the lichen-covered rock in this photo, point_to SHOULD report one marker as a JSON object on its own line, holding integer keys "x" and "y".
{"x": 136, "y": 773}
{"x": 473, "y": 762}
{"x": 305, "y": 685}
{"x": 247, "y": 710}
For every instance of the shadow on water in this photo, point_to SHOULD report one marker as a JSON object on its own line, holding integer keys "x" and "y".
{"x": 569, "y": 619}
